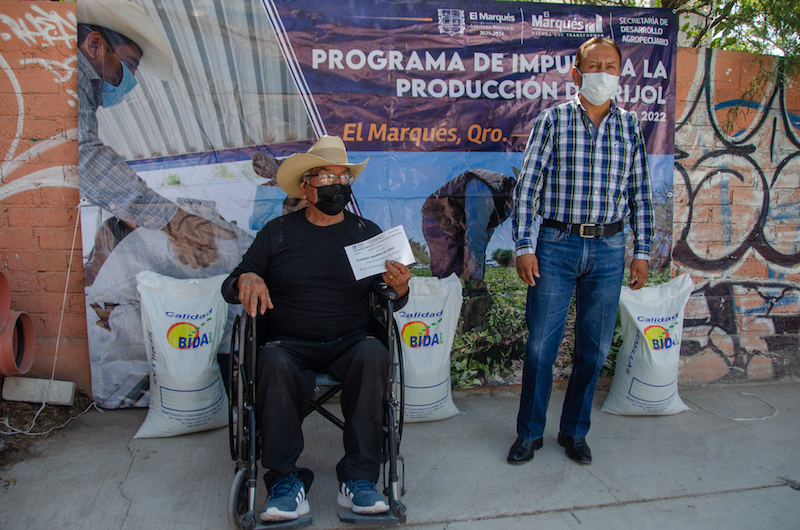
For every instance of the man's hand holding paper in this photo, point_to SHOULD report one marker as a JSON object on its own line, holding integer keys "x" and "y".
{"x": 396, "y": 277}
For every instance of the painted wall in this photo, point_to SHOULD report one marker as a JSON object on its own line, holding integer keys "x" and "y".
{"x": 737, "y": 219}
{"x": 736, "y": 204}
{"x": 39, "y": 180}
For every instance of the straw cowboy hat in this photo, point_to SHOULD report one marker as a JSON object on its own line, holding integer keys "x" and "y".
{"x": 130, "y": 20}
{"x": 328, "y": 151}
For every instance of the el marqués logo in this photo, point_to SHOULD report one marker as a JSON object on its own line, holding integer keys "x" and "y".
{"x": 417, "y": 333}
{"x": 188, "y": 336}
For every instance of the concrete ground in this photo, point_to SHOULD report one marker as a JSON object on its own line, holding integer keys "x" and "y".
{"x": 698, "y": 469}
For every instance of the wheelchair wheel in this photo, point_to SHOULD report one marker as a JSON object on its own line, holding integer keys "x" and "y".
{"x": 238, "y": 502}
{"x": 237, "y": 419}
{"x": 233, "y": 393}
{"x": 242, "y": 419}
{"x": 236, "y": 413}
{"x": 397, "y": 390}
{"x": 393, "y": 464}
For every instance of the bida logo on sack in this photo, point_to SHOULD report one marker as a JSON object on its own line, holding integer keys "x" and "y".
{"x": 658, "y": 337}
{"x": 427, "y": 327}
{"x": 186, "y": 336}
{"x": 419, "y": 333}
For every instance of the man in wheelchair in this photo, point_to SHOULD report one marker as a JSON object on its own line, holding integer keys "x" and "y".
{"x": 297, "y": 275}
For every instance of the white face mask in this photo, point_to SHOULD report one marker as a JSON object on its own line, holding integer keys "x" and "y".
{"x": 599, "y": 87}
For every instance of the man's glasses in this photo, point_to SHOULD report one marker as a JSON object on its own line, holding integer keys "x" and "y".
{"x": 326, "y": 179}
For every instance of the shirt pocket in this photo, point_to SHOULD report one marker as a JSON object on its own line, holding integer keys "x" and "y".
{"x": 621, "y": 159}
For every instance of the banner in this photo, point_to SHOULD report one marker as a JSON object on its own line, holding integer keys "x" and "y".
{"x": 440, "y": 99}
{"x": 418, "y": 77}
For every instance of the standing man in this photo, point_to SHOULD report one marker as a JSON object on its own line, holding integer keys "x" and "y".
{"x": 585, "y": 170}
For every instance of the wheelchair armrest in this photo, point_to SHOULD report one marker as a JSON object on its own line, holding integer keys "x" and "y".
{"x": 385, "y": 292}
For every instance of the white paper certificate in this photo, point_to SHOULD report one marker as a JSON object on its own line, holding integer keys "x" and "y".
{"x": 368, "y": 258}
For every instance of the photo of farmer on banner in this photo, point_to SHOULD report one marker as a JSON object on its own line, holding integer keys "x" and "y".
{"x": 129, "y": 224}
{"x": 458, "y": 220}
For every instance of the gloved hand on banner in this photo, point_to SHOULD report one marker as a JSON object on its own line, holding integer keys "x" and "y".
{"x": 192, "y": 238}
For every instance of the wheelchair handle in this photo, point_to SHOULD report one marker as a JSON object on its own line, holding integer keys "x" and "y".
{"x": 381, "y": 289}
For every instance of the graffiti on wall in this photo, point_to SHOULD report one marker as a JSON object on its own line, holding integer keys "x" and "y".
{"x": 737, "y": 218}
{"x": 37, "y": 86}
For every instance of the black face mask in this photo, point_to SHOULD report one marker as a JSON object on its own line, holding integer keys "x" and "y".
{"x": 332, "y": 199}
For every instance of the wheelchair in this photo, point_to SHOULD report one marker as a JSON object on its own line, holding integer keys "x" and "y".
{"x": 245, "y": 448}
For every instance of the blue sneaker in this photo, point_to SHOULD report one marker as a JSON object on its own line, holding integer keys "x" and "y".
{"x": 361, "y": 497}
{"x": 287, "y": 500}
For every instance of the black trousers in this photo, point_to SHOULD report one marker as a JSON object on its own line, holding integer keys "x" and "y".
{"x": 285, "y": 382}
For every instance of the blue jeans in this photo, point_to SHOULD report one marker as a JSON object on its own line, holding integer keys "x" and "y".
{"x": 593, "y": 269}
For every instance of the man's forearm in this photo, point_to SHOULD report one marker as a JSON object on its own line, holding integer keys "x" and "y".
{"x": 109, "y": 182}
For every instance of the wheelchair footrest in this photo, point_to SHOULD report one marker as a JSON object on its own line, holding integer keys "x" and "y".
{"x": 378, "y": 519}
{"x": 303, "y": 520}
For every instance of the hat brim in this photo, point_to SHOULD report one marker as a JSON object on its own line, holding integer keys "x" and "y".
{"x": 131, "y": 20}
{"x": 290, "y": 173}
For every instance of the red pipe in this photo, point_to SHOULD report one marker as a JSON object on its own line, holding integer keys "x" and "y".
{"x": 16, "y": 344}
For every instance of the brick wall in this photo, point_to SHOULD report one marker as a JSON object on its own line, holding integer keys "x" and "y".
{"x": 39, "y": 179}
{"x": 737, "y": 218}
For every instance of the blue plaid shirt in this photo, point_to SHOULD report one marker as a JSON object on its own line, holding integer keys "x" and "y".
{"x": 577, "y": 174}
{"x": 105, "y": 178}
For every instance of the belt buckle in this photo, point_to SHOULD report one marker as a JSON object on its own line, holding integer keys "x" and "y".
{"x": 582, "y": 232}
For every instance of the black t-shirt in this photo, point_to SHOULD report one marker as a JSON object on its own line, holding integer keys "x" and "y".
{"x": 310, "y": 281}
